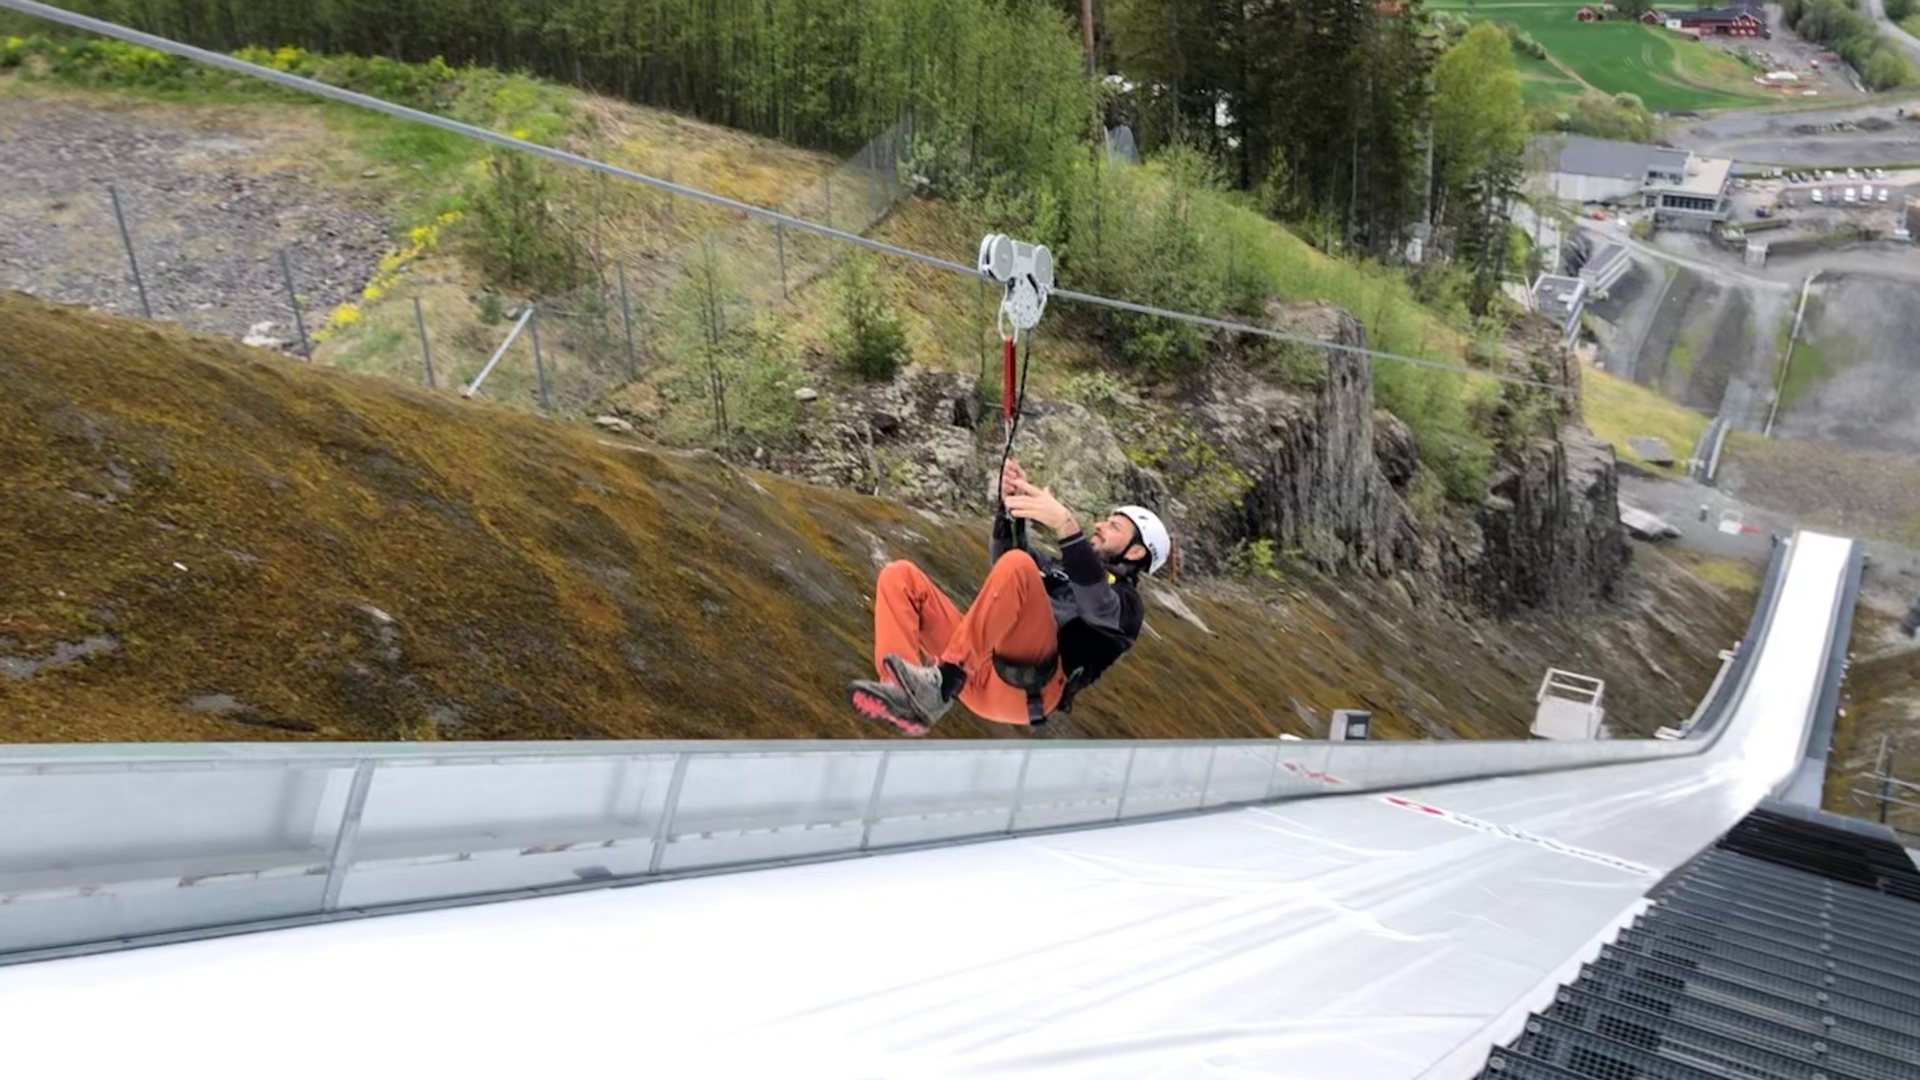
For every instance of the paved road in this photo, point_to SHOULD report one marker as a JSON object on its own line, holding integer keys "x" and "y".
{"x": 1701, "y": 262}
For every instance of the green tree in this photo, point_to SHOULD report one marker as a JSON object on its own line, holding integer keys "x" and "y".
{"x": 1479, "y": 136}
{"x": 520, "y": 240}
{"x": 1886, "y": 69}
{"x": 869, "y": 336}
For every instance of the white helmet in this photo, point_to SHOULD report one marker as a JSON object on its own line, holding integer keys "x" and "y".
{"x": 1153, "y": 535}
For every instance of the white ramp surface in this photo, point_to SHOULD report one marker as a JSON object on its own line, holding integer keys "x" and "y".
{"x": 1356, "y": 937}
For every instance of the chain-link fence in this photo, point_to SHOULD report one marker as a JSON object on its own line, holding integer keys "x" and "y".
{"x": 300, "y": 279}
{"x": 605, "y": 333}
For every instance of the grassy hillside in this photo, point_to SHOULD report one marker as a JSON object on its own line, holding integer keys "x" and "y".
{"x": 1618, "y": 410}
{"x": 214, "y": 542}
{"x": 439, "y": 255}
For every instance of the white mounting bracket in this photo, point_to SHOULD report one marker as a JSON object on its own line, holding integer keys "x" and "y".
{"x": 1025, "y": 271}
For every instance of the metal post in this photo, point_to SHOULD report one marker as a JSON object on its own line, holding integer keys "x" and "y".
{"x": 873, "y": 799}
{"x": 663, "y": 834}
{"x": 1019, "y": 789}
{"x": 348, "y": 837}
{"x": 626, "y": 320}
{"x": 126, "y": 238}
{"x": 1206, "y": 780}
{"x": 1274, "y": 772}
{"x": 1885, "y": 777}
{"x": 829, "y": 183}
{"x": 474, "y": 386}
{"x": 1126, "y": 782}
{"x": 299, "y": 321}
{"x": 539, "y": 365}
{"x": 426, "y": 351}
{"x": 780, "y": 245}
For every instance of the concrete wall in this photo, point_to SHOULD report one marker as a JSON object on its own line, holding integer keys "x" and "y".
{"x": 1594, "y": 188}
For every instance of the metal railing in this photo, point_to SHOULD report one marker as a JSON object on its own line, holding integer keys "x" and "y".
{"x": 108, "y": 845}
{"x": 111, "y": 843}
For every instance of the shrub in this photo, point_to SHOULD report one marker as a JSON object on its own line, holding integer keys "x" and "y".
{"x": 517, "y": 237}
{"x": 872, "y": 344}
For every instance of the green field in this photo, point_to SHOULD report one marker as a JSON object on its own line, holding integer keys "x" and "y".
{"x": 1668, "y": 72}
{"x": 1541, "y": 83}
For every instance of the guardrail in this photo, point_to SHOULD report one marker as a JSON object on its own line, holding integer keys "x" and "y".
{"x": 116, "y": 845}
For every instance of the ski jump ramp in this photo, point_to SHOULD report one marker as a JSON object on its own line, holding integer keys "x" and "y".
{"x": 1370, "y": 923}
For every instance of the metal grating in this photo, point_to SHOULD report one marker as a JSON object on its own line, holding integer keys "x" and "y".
{"x": 1818, "y": 913}
{"x": 1784, "y": 959}
{"x": 1709, "y": 1045}
{"x": 1851, "y": 953}
{"x": 1789, "y": 951}
{"x": 1765, "y": 967}
{"x": 1777, "y": 1023}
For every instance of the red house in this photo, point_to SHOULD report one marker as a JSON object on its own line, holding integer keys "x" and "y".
{"x": 1732, "y": 22}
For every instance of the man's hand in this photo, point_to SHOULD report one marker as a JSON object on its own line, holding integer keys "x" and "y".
{"x": 1009, "y": 476}
{"x": 1038, "y": 505}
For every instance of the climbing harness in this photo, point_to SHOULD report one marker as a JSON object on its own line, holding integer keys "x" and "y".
{"x": 1025, "y": 275}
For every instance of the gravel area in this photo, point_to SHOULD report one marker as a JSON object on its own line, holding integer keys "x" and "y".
{"x": 211, "y": 197}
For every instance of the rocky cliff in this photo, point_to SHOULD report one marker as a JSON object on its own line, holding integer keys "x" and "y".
{"x": 1288, "y": 450}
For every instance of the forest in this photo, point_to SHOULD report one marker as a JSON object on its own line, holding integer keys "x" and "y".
{"x": 1338, "y": 116}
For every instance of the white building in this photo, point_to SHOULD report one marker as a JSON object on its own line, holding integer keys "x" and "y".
{"x": 1686, "y": 190}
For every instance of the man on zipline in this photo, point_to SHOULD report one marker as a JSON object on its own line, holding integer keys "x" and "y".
{"x": 1040, "y": 631}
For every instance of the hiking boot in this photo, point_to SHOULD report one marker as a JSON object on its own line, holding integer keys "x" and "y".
{"x": 921, "y": 687}
{"x": 886, "y": 703}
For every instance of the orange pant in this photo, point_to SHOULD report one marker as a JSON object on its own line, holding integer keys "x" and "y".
{"x": 1010, "y": 618}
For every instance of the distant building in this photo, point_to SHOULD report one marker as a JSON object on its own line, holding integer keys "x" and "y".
{"x": 1651, "y": 17}
{"x": 1607, "y": 266}
{"x": 1739, "y": 21}
{"x": 1589, "y": 14}
{"x": 1561, "y": 299}
{"x": 1686, "y": 190}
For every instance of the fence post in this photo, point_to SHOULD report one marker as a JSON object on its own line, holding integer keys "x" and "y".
{"x": 626, "y": 319}
{"x": 663, "y": 832}
{"x": 873, "y": 800}
{"x": 348, "y": 837}
{"x": 1126, "y": 782}
{"x": 126, "y": 239}
{"x": 426, "y": 351}
{"x": 539, "y": 365}
{"x": 780, "y": 245}
{"x": 1019, "y": 789}
{"x": 1886, "y": 776}
{"x": 487, "y": 369}
{"x": 299, "y": 321}
{"x": 829, "y": 183}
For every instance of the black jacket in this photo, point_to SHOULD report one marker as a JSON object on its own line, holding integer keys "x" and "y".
{"x": 1097, "y": 615}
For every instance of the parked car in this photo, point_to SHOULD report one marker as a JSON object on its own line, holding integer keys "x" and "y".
{"x": 1851, "y": 195}
{"x": 1851, "y": 175}
{"x": 1818, "y": 197}
{"x": 1883, "y": 195}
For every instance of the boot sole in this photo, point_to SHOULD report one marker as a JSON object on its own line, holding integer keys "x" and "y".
{"x": 878, "y": 711}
